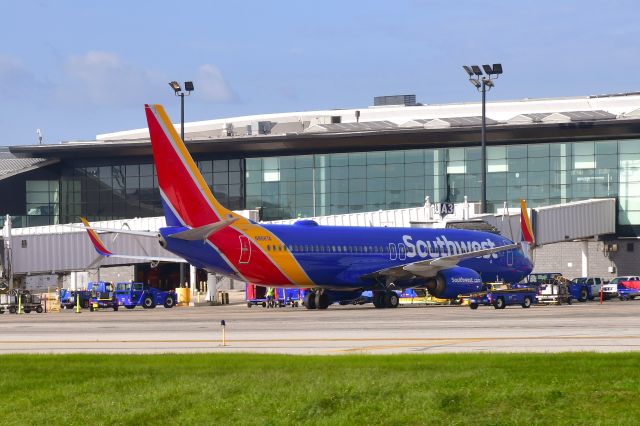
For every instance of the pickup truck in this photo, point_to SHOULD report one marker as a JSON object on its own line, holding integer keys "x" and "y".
{"x": 501, "y": 295}
{"x": 594, "y": 283}
{"x": 610, "y": 290}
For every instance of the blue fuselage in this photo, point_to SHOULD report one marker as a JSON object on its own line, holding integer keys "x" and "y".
{"x": 344, "y": 257}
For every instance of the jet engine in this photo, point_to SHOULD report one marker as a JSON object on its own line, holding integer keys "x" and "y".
{"x": 449, "y": 283}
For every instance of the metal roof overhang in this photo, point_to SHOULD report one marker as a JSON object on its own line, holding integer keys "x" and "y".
{"x": 302, "y": 143}
{"x": 45, "y": 163}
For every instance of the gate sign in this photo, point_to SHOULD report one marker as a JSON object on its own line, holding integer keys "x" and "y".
{"x": 443, "y": 209}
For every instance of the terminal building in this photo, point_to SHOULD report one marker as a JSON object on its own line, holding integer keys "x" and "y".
{"x": 388, "y": 156}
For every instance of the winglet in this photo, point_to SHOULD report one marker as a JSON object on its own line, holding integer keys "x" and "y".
{"x": 525, "y": 224}
{"x": 95, "y": 239}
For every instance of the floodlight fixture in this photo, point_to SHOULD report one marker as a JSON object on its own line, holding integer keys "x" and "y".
{"x": 188, "y": 86}
{"x": 475, "y": 82}
{"x": 487, "y": 82}
{"x": 175, "y": 86}
{"x": 468, "y": 70}
{"x": 497, "y": 69}
{"x": 476, "y": 70}
{"x": 487, "y": 69}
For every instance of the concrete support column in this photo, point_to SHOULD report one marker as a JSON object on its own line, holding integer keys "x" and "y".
{"x": 584, "y": 245}
{"x": 212, "y": 287}
{"x": 192, "y": 279}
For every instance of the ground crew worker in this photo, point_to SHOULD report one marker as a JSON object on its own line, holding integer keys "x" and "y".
{"x": 270, "y": 294}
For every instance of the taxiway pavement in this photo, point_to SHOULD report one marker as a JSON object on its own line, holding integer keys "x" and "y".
{"x": 611, "y": 327}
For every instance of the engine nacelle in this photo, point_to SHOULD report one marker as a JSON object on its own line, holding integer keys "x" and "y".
{"x": 452, "y": 282}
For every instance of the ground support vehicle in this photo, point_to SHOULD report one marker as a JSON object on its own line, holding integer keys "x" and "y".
{"x": 610, "y": 290}
{"x": 413, "y": 296}
{"x": 256, "y": 295}
{"x": 556, "y": 292}
{"x": 628, "y": 290}
{"x": 501, "y": 295}
{"x": 69, "y": 298}
{"x": 579, "y": 289}
{"x": 21, "y": 299}
{"x": 290, "y": 297}
{"x": 594, "y": 284}
{"x": 131, "y": 295}
{"x": 103, "y": 296}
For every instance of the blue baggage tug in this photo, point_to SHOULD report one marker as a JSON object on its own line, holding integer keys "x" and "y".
{"x": 131, "y": 295}
{"x": 501, "y": 295}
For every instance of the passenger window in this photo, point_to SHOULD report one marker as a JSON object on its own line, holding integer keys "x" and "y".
{"x": 268, "y": 247}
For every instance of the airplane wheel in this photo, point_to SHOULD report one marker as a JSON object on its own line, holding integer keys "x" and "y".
{"x": 322, "y": 301}
{"x": 378, "y": 299}
{"x": 391, "y": 299}
{"x": 310, "y": 301}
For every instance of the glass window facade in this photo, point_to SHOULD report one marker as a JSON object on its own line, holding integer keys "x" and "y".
{"x": 42, "y": 202}
{"x": 112, "y": 190}
{"x": 335, "y": 183}
{"x": 545, "y": 173}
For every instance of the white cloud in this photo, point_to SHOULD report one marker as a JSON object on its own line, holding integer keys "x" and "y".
{"x": 108, "y": 80}
{"x": 211, "y": 86}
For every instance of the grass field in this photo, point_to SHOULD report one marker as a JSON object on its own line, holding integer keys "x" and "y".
{"x": 266, "y": 389}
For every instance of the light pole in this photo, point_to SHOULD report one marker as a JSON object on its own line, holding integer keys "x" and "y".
{"x": 483, "y": 83}
{"x": 188, "y": 87}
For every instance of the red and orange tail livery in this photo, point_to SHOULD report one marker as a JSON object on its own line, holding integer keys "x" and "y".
{"x": 186, "y": 197}
{"x": 525, "y": 224}
{"x": 95, "y": 239}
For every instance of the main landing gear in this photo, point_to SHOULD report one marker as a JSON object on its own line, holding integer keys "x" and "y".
{"x": 385, "y": 299}
{"x": 316, "y": 300}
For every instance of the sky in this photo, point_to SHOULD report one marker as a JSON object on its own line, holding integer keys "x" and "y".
{"x": 75, "y": 69}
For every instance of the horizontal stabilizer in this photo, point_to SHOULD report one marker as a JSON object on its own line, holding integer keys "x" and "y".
{"x": 201, "y": 233}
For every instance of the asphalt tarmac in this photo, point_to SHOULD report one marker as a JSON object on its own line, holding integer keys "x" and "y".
{"x": 611, "y": 327}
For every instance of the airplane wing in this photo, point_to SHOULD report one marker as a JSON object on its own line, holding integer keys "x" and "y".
{"x": 429, "y": 267}
{"x": 113, "y": 230}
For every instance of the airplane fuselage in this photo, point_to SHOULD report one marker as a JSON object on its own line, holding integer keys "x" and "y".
{"x": 336, "y": 257}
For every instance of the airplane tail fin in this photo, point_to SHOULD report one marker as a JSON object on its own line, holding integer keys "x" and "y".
{"x": 186, "y": 197}
{"x": 528, "y": 238}
{"x": 101, "y": 249}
